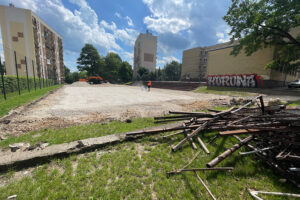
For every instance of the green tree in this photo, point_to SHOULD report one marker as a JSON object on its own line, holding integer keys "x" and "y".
{"x": 258, "y": 24}
{"x": 113, "y": 64}
{"x": 68, "y": 75}
{"x": 152, "y": 76}
{"x": 75, "y": 76}
{"x": 159, "y": 74}
{"x": 143, "y": 74}
{"x": 172, "y": 71}
{"x": 89, "y": 60}
{"x": 125, "y": 72}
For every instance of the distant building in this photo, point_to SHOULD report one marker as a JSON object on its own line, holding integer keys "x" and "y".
{"x": 217, "y": 67}
{"x": 145, "y": 52}
{"x": 24, "y": 32}
{"x": 194, "y": 62}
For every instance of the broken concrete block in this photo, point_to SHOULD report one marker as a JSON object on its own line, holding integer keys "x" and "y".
{"x": 12, "y": 197}
{"x": 44, "y": 145}
{"x": 2, "y": 138}
{"x": 19, "y": 146}
{"x": 274, "y": 102}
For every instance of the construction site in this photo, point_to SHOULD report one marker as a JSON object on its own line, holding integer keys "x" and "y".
{"x": 113, "y": 135}
{"x": 220, "y": 119}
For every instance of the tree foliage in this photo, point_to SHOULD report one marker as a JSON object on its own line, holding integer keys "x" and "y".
{"x": 113, "y": 64}
{"x": 172, "y": 71}
{"x": 260, "y": 24}
{"x": 71, "y": 77}
{"x": 143, "y": 74}
{"x": 89, "y": 60}
{"x": 125, "y": 72}
{"x": 111, "y": 67}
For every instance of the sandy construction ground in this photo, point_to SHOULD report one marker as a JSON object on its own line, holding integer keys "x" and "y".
{"x": 82, "y": 103}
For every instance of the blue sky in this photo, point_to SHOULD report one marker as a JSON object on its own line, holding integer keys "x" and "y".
{"x": 113, "y": 25}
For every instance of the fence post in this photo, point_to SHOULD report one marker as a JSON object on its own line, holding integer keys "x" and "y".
{"x": 2, "y": 77}
{"x": 17, "y": 73}
{"x": 28, "y": 87}
{"x": 40, "y": 76}
{"x": 33, "y": 75}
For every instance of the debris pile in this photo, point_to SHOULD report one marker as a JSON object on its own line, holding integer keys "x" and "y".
{"x": 270, "y": 132}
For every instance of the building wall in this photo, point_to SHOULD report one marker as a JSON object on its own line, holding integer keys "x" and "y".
{"x": 244, "y": 71}
{"x": 145, "y": 51}
{"x": 194, "y": 64}
{"x": 24, "y": 32}
{"x": 221, "y": 62}
{"x": 17, "y": 36}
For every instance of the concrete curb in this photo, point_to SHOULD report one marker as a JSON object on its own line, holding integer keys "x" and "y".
{"x": 24, "y": 159}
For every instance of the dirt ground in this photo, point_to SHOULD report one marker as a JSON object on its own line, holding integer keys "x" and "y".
{"x": 81, "y": 103}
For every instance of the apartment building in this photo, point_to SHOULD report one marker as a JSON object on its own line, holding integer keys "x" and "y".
{"x": 29, "y": 36}
{"x": 145, "y": 50}
{"x": 222, "y": 69}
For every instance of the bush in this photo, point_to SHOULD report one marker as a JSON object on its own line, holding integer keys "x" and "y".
{"x": 11, "y": 84}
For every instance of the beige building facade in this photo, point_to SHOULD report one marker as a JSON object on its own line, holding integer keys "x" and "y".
{"x": 35, "y": 43}
{"x": 145, "y": 51}
{"x": 223, "y": 69}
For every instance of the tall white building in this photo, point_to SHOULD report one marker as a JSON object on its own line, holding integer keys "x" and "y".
{"x": 29, "y": 36}
{"x": 145, "y": 52}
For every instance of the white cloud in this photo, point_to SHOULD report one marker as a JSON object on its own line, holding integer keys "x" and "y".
{"x": 127, "y": 18}
{"x": 163, "y": 25}
{"x": 78, "y": 27}
{"x": 127, "y": 35}
{"x": 129, "y": 21}
{"x": 168, "y": 16}
{"x": 112, "y": 27}
{"x": 166, "y": 59}
{"x": 223, "y": 36}
{"x": 128, "y": 56}
{"x": 118, "y": 15}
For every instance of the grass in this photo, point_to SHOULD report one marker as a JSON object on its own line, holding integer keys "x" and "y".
{"x": 137, "y": 170}
{"x": 69, "y": 134}
{"x": 14, "y": 100}
{"x": 230, "y": 91}
{"x": 294, "y": 103}
{"x": 128, "y": 83}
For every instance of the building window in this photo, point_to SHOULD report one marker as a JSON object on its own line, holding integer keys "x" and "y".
{"x": 15, "y": 39}
{"x": 148, "y": 57}
{"x": 20, "y": 34}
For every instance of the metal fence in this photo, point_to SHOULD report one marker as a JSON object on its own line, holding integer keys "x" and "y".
{"x": 23, "y": 84}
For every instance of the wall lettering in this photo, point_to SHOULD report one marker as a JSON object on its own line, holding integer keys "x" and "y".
{"x": 241, "y": 80}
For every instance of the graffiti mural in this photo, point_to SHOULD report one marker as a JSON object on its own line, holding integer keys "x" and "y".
{"x": 241, "y": 80}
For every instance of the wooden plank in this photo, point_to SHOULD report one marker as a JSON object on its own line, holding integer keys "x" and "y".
{"x": 242, "y": 131}
{"x": 195, "y": 132}
{"x": 203, "y": 145}
{"x": 228, "y": 152}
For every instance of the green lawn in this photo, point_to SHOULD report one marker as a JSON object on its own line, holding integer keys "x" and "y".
{"x": 73, "y": 133}
{"x": 14, "y": 100}
{"x": 230, "y": 91}
{"x": 137, "y": 170}
{"x": 294, "y": 103}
